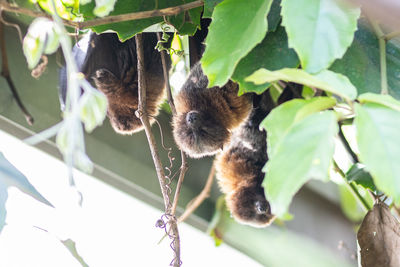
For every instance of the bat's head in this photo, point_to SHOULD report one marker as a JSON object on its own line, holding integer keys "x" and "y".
{"x": 248, "y": 205}
{"x": 206, "y": 116}
{"x": 200, "y": 133}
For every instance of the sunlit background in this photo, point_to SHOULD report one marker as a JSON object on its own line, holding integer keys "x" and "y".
{"x": 110, "y": 228}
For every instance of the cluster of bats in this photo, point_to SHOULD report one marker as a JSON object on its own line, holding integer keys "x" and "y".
{"x": 208, "y": 121}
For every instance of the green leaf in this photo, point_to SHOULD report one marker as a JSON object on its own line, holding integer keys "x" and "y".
{"x": 66, "y": 9}
{"x": 220, "y": 209}
{"x": 65, "y": 140}
{"x": 93, "y": 109}
{"x": 272, "y": 54}
{"x": 361, "y": 63}
{"x": 323, "y": 31}
{"x": 378, "y": 138}
{"x": 3, "y": 199}
{"x": 186, "y": 26}
{"x": 11, "y": 176}
{"x": 385, "y": 100}
{"x": 349, "y": 205}
{"x": 275, "y": 93}
{"x": 325, "y": 80}
{"x": 282, "y": 118}
{"x": 304, "y": 153}
{"x": 274, "y": 16}
{"x": 209, "y": 6}
{"x": 103, "y": 7}
{"x": 127, "y": 29}
{"x": 229, "y": 38}
{"x": 71, "y": 246}
{"x": 83, "y": 162}
{"x": 307, "y": 92}
{"x": 358, "y": 174}
{"x": 40, "y": 38}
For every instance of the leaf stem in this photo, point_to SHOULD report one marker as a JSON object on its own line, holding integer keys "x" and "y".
{"x": 352, "y": 187}
{"x": 347, "y": 145}
{"x": 277, "y": 87}
{"x": 382, "y": 54}
{"x": 5, "y": 72}
{"x": 143, "y": 116}
{"x": 391, "y": 35}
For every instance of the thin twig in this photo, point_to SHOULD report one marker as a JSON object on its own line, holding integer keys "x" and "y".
{"x": 196, "y": 202}
{"x": 184, "y": 166}
{"x": 183, "y": 170}
{"x": 382, "y": 55}
{"x": 166, "y": 78}
{"x": 14, "y": 25}
{"x": 391, "y": 35}
{"x": 278, "y": 87}
{"x": 347, "y": 145}
{"x": 352, "y": 187}
{"x": 169, "y": 11}
{"x": 142, "y": 114}
{"x": 5, "y": 72}
{"x": 4, "y": 6}
{"x": 205, "y": 193}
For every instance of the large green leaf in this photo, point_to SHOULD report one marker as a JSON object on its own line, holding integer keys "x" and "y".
{"x": 128, "y": 29}
{"x": 11, "y": 176}
{"x": 304, "y": 153}
{"x": 358, "y": 174}
{"x": 378, "y": 138}
{"x": 272, "y": 54}
{"x": 185, "y": 26}
{"x": 361, "y": 63}
{"x": 93, "y": 109}
{"x": 274, "y": 16}
{"x": 282, "y": 118}
{"x": 209, "y": 6}
{"x": 237, "y": 27}
{"x": 326, "y": 80}
{"x": 319, "y": 30}
{"x": 385, "y": 100}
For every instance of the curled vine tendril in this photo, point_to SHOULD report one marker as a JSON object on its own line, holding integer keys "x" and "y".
{"x": 164, "y": 39}
{"x": 165, "y": 221}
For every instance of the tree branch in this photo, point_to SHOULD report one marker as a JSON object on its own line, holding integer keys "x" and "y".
{"x": 169, "y": 11}
{"x": 142, "y": 114}
{"x": 170, "y": 99}
{"x": 205, "y": 193}
{"x": 4, "y": 6}
{"x": 5, "y": 72}
{"x": 352, "y": 187}
{"x": 382, "y": 55}
{"x": 391, "y": 35}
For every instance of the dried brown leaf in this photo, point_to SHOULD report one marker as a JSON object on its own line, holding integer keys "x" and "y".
{"x": 379, "y": 238}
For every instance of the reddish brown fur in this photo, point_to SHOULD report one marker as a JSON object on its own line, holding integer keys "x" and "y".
{"x": 122, "y": 99}
{"x": 239, "y": 169}
{"x": 222, "y": 100}
{"x": 220, "y": 111}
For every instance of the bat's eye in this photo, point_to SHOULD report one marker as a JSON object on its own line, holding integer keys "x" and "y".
{"x": 193, "y": 119}
{"x": 261, "y": 207}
